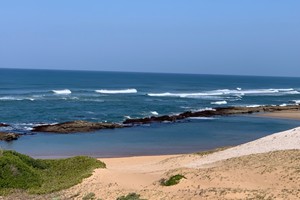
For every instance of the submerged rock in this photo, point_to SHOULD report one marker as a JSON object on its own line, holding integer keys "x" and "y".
{"x": 75, "y": 126}
{"x": 8, "y": 136}
{"x": 210, "y": 113}
{"x": 3, "y": 125}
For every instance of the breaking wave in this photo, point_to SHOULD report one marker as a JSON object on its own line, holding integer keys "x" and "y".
{"x": 226, "y": 92}
{"x": 154, "y": 113}
{"x": 296, "y": 101}
{"x": 219, "y": 102}
{"x": 10, "y": 98}
{"x": 125, "y": 91}
{"x": 64, "y": 92}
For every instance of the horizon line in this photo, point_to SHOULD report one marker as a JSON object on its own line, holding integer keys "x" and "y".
{"x": 149, "y": 72}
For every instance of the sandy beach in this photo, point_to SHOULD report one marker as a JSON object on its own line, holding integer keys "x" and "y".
{"x": 266, "y": 168}
{"x": 282, "y": 114}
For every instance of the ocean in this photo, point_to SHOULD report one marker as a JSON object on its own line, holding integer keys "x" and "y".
{"x": 32, "y": 97}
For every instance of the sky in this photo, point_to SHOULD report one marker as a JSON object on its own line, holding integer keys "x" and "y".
{"x": 240, "y": 37}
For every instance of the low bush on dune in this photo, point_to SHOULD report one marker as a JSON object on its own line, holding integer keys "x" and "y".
{"x": 173, "y": 180}
{"x": 39, "y": 176}
{"x": 130, "y": 196}
{"x": 89, "y": 196}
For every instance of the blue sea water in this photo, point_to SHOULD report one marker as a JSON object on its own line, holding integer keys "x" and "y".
{"x": 30, "y": 97}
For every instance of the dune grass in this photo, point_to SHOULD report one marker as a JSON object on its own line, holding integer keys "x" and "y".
{"x": 130, "y": 196}
{"x": 37, "y": 176}
{"x": 173, "y": 180}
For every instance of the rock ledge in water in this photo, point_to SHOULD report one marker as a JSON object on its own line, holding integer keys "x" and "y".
{"x": 3, "y": 125}
{"x": 75, "y": 126}
{"x": 8, "y": 136}
{"x": 220, "y": 111}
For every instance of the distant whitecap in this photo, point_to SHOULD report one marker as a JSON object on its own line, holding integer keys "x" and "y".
{"x": 219, "y": 102}
{"x": 227, "y": 92}
{"x": 65, "y": 91}
{"x": 296, "y": 101}
{"x": 124, "y": 91}
{"x": 154, "y": 113}
{"x": 9, "y": 98}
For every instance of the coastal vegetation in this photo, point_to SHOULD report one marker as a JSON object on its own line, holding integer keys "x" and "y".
{"x": 130, "y": 196}
{"x": 89, "y": 196}
{"x": 37, "y": 176}
{"x": 173, "y": 180}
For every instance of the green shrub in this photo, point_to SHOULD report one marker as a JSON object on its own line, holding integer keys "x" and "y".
{"x": 18, "y": 171}
{"x": 38, "y": 176}
{"x": 89, "y": 196}
{"x": 130, "y": 196}
{"x": 173, "y": 180}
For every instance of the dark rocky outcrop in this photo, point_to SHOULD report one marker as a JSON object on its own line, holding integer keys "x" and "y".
{"x": 210, "y": 113}
{"x": 8, "y": 136}
{"x": 84, "y": 126}
{"x": 75, "y": 126}
{"x": 3, "y": 125}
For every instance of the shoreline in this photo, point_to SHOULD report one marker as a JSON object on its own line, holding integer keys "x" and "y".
{"x": 162, "y": 153}
{"x": 265, "y": 167}
{"x": 295, "y": 115}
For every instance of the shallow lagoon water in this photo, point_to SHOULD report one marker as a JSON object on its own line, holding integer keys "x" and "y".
{"x": 155, "y": 139}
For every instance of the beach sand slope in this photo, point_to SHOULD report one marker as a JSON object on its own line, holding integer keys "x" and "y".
{"x": 266, "y": 168}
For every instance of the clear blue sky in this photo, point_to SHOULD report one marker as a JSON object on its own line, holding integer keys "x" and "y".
{"x": 253, "y": 37}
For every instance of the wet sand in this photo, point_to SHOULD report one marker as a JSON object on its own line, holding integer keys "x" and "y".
{"x": 282, "y": 114}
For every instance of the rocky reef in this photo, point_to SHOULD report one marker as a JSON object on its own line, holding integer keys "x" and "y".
{"x": 8, "y": 136}
{"x": 85, "y": 126}
{"x": 221, "y": 111}
{"x": 75, "y": 126}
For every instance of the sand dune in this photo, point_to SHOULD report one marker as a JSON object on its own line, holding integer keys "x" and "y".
{"x": 263, "y": 169}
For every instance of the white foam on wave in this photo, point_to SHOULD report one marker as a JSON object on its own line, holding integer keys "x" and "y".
{"x": 254, "y": 106}
{"x": 286, "y": 90}
{"x": 184, "y": 95}
{"x": 125, "y": 91}
{"x": 219, "y": 102}
{"x": 296, "y": 101}
{"x": 154, "y": 113}
{"x": 204, "y": 109}
{"x": 24, "y": 126}
{"x": 227, "y": 92}
{"x": 64, "y": 92}
{"x": 8, "y": 98}
{"x": 292, "y": 92}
